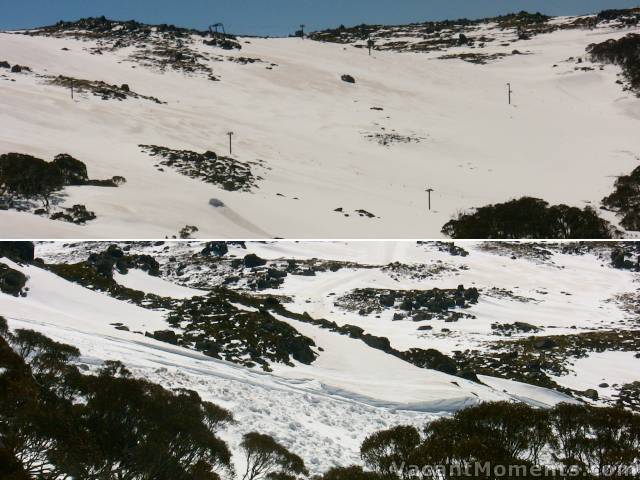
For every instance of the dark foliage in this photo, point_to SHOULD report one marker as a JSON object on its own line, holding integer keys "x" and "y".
{"x": 100, "y": 89}
{"x": 29, "y": 177}
{"x": 219, "y": 329}
{"x": 625, "y": 199}
{"x": 77, "y": 214}
{"x": 529, "y": 218}
{"x": 387, "y": 449}
{"x": 595, "y": 440}
{"x": 73, "y": 170}
{"x": 266, "y": 458}
{"x": 226, "y": 172}
{"x": 17, "y": 251}
{"x": 354, "y": 472}
{"x": 629, "y": 16}
{"x": 57, "y": 423}
{"x": 624, "y": 52}
{"x": 12, "y": 281}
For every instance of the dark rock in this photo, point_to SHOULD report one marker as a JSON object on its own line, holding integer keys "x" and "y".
{"x": 252, "y": 260}
{"x": 348, "y": 79}
{"x": 604, "y": 385}
{"x": 218, "y": 249}
{"x": 387, "y": 300}
{"x": 301, "y": 351}
{"x": 4, "y": 64}
{"x": 398, "y": 316}
{"x": 591, "y": 394}
{"x": 167, "y": 336}
{"x": 125, "y": 87}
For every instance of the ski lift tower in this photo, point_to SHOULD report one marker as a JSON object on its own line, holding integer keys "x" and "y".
{"x": 214, "y": 29}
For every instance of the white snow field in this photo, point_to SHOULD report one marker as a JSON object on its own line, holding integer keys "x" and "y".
{"x": 324, "y": 410}
{"x": 565, "y": 138}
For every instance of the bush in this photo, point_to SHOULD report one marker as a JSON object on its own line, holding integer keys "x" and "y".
{"x": 387, "y": 450}
{"x": 73, "y": 171}
{"x": 62, "y": 424}
{"x": 17, "y": 251}
{"x": 77, "y": 214}
{"x": 353, "y": 473}
{"x": 12, "y": 281}
{"x": 624, "y": 52}
{"x": 505, "y": 434}
{"x": 29, "y": 177}
{"x": 529, "y": 218}
{"x": 265, "y": 457}
{"x": 625, "y": 199}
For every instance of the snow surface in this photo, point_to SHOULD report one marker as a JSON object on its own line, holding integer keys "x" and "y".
{"x": 321, "y": 411}
{"x": 309, "y": 128}
{"x": 608, "y": 368}
{"x": 568, "y": 293}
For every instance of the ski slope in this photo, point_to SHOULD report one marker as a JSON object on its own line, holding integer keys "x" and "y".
{"x": 321, "y": 411}
{"x": 566, "y": 136}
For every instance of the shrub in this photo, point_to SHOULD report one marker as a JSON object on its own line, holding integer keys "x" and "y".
{"x": 62, "y": 424}
{"x": 501, "y": 434}
{"x": 77, "y": 214}
{"x": 352, "y": 473}
{"x": 387, "y": 450}
{"x": 73, "y": 171}
{"x": 624, "y": 52}
{"x": 625, "y": 199}
{"x": 29, "y": 177}
{"x": 529, "y": 218}
{"x": 265, "y": 457}
{"x": 12, "y": 281}
{"x": 17, "y": 251}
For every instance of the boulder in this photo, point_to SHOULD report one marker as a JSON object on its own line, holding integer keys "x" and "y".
{"x": 217, "y": 249}
{"x": 252, "y": 260}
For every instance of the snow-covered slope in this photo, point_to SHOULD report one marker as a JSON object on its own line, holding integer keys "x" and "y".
{"x": 324, "y": 410}
{"x": 317, "y": 136}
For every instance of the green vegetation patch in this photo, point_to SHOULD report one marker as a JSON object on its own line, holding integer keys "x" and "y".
{"x": 624, "y": 52}
{"x": 226, "y": 172}
{"x": 529, "y": 217}
{"x": 419, "y": 305}
{"x": 98, "y": 88}
{"x": 12, "y": 281}
{"x": 625, "y": 198}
